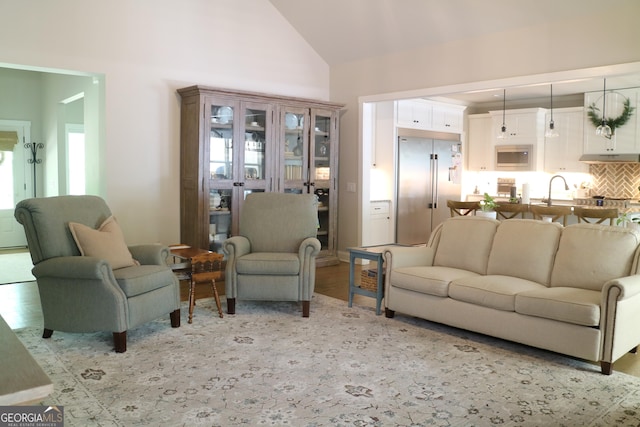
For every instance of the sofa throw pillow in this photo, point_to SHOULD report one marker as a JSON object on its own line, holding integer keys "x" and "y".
{"x": 107, "y": 242}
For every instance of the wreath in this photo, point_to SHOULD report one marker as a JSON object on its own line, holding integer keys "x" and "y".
{"x": 593, "y": 113}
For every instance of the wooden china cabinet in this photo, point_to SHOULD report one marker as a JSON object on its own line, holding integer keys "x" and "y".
{"x": 233, "y": 143}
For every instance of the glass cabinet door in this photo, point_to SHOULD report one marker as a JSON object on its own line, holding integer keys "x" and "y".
{"x": 240, "y": 162}
{"x": 322, "y": 170}
{"x": 222, "y": 172}
{"x": 257, "y": 156}
{"x": 294, "y": 128}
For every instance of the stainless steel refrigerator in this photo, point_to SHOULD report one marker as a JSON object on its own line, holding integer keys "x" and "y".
{"x": 428, "y": 174}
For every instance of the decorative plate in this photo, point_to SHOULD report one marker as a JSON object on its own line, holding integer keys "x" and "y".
{"x": 225, "y": 115}
{"x": 291, "y": 121}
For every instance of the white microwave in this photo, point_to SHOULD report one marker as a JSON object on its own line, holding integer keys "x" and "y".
{"x": 514, "y": 157}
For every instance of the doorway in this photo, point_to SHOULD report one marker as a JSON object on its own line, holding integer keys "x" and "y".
{"x": 16, "y": 181}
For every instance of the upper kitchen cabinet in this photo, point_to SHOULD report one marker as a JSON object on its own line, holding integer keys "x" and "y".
{"x": 524, "y": 126}
{"x": 562, "y": 153}
{"x": 480, "y": 147}
{"x": 429, "y": 115}
{"x": 625, "y": 137}
{"x": 413, "y": 114}
{"x": 234, "y": 143}
{"x": 447, "y": 118}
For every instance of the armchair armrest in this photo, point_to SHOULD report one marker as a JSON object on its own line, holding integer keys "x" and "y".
{"x": 236, "y": 246}
{"x": 310, "y": 247}
{"x": 73, "y": 267}
{"x": 150, "y": 254}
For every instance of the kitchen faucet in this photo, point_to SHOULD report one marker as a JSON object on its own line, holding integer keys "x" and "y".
{"x": 566, "y": 186}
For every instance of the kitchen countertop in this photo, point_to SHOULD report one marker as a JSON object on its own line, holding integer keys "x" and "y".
{"x": 629, "y": 205}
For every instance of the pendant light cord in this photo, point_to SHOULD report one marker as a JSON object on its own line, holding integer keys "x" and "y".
{"x": 604, "y": 102}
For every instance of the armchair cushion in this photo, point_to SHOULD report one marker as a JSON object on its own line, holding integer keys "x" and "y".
{"x": 107, "y": 242}
{"x": 276, "y": 263}
{"x": 138, "y": 280}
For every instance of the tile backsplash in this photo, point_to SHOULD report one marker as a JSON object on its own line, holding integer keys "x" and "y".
{"x": 616, "y": 180}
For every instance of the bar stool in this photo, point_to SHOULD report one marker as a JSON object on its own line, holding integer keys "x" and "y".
{"x": 459, "y": 208}
{"x": 205, "y": 268}
{"x": 595, "y": 215}
{"x": 511, "y": 210}
{"x": 555, "y": 212}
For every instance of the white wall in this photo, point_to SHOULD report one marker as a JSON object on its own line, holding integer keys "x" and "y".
{"x": 590, "y": 41}
{"x": 146, "y": 49}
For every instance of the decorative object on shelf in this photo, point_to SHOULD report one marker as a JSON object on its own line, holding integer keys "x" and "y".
{"x": 606, "y": 127}
{"x": 503, "y": 129}
{"x": 297, "y": 150}
{"x": 551, "y": 131}
{"x": 34, "y": 147}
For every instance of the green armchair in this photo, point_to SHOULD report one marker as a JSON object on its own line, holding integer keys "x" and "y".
{"x": 274, "y": 256}
{"x": 84, "y": 293}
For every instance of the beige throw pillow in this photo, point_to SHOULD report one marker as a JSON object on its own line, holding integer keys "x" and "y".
{"x": 106, "y": 243}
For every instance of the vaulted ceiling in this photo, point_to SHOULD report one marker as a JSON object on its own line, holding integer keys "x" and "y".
{"x": 342, "y": 31}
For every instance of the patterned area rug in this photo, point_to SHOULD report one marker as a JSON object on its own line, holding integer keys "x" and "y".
{"x": 343, "y": 366}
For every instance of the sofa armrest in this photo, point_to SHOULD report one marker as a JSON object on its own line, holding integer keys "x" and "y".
{"x": 150, "y": 254}
{"x": 408, "y": 256}
{"x": 73, "y": 267}
{"x": 621, "y": 289}
{"x": 620, "y": 315}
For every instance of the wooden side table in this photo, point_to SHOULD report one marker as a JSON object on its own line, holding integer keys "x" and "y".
{"x": 185, "y": 260}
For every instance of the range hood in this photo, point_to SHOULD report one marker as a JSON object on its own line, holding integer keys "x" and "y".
{"x": 610, "y": 158}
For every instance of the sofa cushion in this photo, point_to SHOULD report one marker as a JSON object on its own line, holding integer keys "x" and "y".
{"x": 269, "y": 263}
{"x": 589, "y": 255}
{"x": 497, "y": 292}
{"x": 525, "y": 248}
{"x": 428, "y": 280}
{"x": 465, "y": 243}
{"x": 572, "y": 305}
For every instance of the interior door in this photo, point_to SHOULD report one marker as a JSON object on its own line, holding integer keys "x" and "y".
{"x": 15, "y": 179}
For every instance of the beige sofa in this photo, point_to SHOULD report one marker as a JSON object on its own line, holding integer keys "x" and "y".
{"x": 572, "y": 290}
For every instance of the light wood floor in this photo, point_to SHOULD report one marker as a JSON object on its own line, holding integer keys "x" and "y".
{"x": 20, "y": 304}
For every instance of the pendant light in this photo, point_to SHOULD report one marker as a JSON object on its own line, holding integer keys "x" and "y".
{"x": 551, "y": 131}
{"x": 503, "y": 129}
{"x": 604, "y": 129}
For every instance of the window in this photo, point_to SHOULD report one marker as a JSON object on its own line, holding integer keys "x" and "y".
{"x": 76, "y": 179}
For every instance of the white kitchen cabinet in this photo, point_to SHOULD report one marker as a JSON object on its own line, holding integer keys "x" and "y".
{"x": 524, "y": 126}
{"x": 447, "y": 118}
{"x": 429, "y": 115}
{"x": 625, "y": 138}
{"x": 413, "y": 114}
{"x": 562, "y": 153}
{"x": 480, "y": 147}
{"x": 380, "y": 223}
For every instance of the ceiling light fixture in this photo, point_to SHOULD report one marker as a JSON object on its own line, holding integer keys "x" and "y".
{"x": 604, "y": 129}
{"x": 551, "y": 131}
{"x": 503, "y": 129}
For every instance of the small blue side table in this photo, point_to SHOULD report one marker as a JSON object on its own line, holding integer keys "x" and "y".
{"x": 373, "y": 253}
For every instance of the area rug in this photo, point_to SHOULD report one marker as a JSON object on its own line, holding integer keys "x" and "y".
{"x": 266, "y": 365}
{"x": 15, "y": 268}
